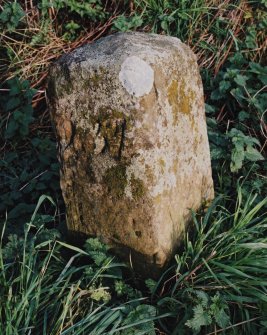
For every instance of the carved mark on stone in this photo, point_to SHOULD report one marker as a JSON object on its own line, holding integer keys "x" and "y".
{"x": 113, "y": 133}
{"x": 156, "y": 91}
{"x": 123, "y": 130}
{"x": 80, "y": 209}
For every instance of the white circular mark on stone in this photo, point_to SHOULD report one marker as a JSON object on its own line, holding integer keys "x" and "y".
{"x": 136, "y": 76}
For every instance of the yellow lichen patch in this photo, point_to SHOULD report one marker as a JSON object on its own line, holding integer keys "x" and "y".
{"x": 196, "y": 144}
{"x": 180, "y": 99}
{"x": 175, "y": 166}
{"x": 149, "y": 174}
{"x": 162, "y": 164}
{"x": 157, "y": 199}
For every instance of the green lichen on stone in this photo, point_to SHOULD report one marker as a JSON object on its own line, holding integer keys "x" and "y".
{"x": 116, "y": 180}
{"x": 93, "y": 81}
{"x": 66, "y": 87}
{"x": 96, "y": 77}
{"x": 137, "y": 187}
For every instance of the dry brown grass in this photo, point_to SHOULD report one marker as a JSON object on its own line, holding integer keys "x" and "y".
{"x": 30, "y": 61}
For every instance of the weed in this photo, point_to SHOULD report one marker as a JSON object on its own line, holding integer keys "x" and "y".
{"x": 218, "y": 281}
{"x": 236, "y": 121}
{"x": 28, "y": 162}
{"x": 11, "y": 15}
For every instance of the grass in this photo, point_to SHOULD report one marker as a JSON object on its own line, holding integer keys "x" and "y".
{"x": 217, "y": 283}
{"x": 224, "y": 257}
{"x": 50, "y": 287}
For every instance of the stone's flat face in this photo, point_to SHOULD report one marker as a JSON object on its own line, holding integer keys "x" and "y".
{"x": 130, "y": 121}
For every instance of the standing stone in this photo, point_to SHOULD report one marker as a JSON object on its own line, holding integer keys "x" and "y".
{"x": 130, "y": 121}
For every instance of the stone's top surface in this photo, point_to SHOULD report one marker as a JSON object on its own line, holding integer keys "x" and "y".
{"x": 113, "y": 48}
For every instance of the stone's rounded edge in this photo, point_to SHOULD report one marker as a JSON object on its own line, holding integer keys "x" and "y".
{"x": 136, "y": 76}
{"x": 113, "y": 46}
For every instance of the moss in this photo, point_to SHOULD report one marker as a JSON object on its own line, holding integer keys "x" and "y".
{"x": 116, "y": 180}
{"x": 137, "y": 187}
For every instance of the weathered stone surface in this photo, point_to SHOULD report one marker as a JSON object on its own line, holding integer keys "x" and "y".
{"x": 129, "y": 117}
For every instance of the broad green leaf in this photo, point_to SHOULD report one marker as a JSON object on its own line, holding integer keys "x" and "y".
{"x": 241, "y": 80}
{"x": 253, "y": 154}
{"x": 200, "y": 318}
{"x": 222, "y": 319}
{"x": 237, "y": 159}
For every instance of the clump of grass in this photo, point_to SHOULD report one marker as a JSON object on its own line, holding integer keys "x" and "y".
{"x": 50, "y": 287}
{"x": 218, "y": 283}
{"x": 213, "y": 29}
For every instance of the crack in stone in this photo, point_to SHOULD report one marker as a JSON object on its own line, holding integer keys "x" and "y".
{"x": 123, "y": 130}
{"x": 73, "y": 133}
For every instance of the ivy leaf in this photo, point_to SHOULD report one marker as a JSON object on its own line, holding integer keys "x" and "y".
{"x": 257, "y": 68}
{"x": 210, "y": 109}
{"x": 238, "y": 93}
{"x": 216, "y": 95}
{"x": 11, "y": 129}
